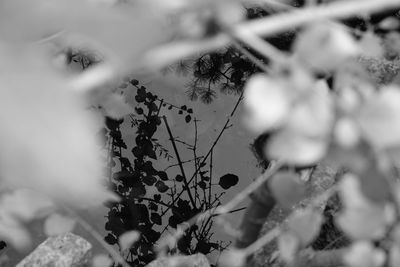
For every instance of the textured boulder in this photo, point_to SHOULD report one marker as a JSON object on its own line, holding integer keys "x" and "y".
{"x": 67, "y": 250}
{"x": 196, "y": 260}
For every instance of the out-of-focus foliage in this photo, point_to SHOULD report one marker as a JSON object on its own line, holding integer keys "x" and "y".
{"x": 328, "y": 91}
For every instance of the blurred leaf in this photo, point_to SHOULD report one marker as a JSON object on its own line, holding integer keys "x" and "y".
{"x": 371, "y": 45}
{"x": 288, "y": 245}
{"x": 102, "y": 260}
{"x": 379, "y": 118}
{"x": 125, "y": 30}
{"x": 15, "y": 234}
{"x": 266, "y": 103}
{"x": 361, "y": 218}
{"x": 374, "y": 184}
{"x": 389, "y": 23}
{"x": 127, "y": 239}
{"x": 305, "y": 225}
{"x": 232, "y": 258}
{"x": 331, "y": 46}
{"x": 313, "y": 113}
{"x": 25, "y": 205}
{"x": 63, "y": 154}
{"x": 394, "y": 256}
{"x": 57, "y": 224}
{"x": 295, "y": 149}
{"x": 287, "y": 189}
{"x": 364, "y": 254}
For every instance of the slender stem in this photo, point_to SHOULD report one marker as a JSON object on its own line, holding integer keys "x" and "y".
{"x": 186, "y": 183}
{"x": 186, "y": 161}
{"x": 214, "y": 143}
{"x": 155, "y": 201}
{"x": 194, "y": 149}
{"x": 211, "y": 174}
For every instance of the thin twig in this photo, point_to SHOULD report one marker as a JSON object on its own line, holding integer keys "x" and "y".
{"x": 227, "y": 208}
{"x": 261, "y": 46}
{"x": 194, "y": 149}
{"x": 250, "y": 56}
{"x": 185, "y": 181}
{"x": 165, "y": 55}
{"x": 213, "y": 145}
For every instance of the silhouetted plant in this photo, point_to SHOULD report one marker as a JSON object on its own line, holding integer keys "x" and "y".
{"x": 178, "y": 197}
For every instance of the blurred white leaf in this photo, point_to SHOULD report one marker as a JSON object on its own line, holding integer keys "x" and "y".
{"x": 48, "y": 137}
{"x": 379, "y": 118}
{"x": 288, "y": 245}
{"x": 361, "y": 218}
{"x": 229, "y": 12}
{"x": 127, "y": 239}
{"x": 389, "y": 23}
{"x": 102, "y": 260}
{"x": 296, "y": 149}
{"x": 371, "y": 45}
{"x": 57, "y": 224}
{"x": 287, "y": 189}
{"x": 232, "y": 258}
{"x": 16, "y": 234}
{"x": 25, "y": 205}
{"x": 126, "y": 29}
{"x": 364, "y": 254}
{"x": 331, "y": 46}
{"x": 305, "y": 224}
{"x": 17, "y": 208}
{"x": 115, "y": 106}
{"x": 346, "y": 133}
{"x": 267, "y": 103}
{"x": 312, "y": 112}
{"x": 394, "y": 256}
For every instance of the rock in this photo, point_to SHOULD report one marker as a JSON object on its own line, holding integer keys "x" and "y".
{"x": 196, "y": 260}
{"x": 67, "y": 250}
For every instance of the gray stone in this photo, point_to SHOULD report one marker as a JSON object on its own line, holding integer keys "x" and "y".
{"x": 67, "y": 250}
{"x": 196, "y": 260}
